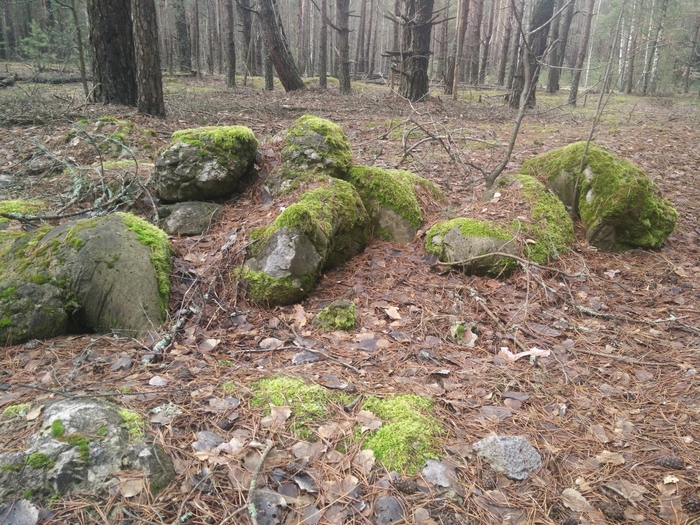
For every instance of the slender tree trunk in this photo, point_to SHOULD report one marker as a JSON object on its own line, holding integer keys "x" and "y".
{"x": 373, "y": 49}
{"x": 581, "y": 57}
{"x": 269, "y": 69}
{"x": 230, "y": 45}
{"x": 505, "y": 44}
{"x": 3, "y": 45}
{"x": 195, "y": 38}
{"x": 303, "y": 51}
{"x": 277, "y": 47}
{"x": 246, "y": 18}
{"x": 342, "y": 13}
{"x": 112, "y": 40}
{"x": 692, "y": 56}
{"x": 653, "y": 58}
{"x": 323, "y": 47}
{"x": 148, "y": 75}
{"x": 515, "y": 52}
{"x": 183, "y": 37}
{"x": 455, "y": 60}
{"x": 474, "y": 41}
{"x": 533, "y": 53}
{"x": 368, "y": 40}
{"x": 555, "y": 46}
{"x": 79, "y": 42}
{"x": 564, "y": 31}
{"x": 632, "y": 46}
{"x": 360, "y": 49}
{"x": 486, "y": 44}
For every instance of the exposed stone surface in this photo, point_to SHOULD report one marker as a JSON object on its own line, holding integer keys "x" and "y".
{"x": 108, "y": 273}
{"x": 188, "y": 218}
{"x": 619, "y": 205}
{"x": 388, "y": 510}
{"x": 339, "y": 315}
{"x": 325, "y": 228}
{"x": 461, "y": 239}
{"x": 314, "y": 148}
{"x": 512, "y": 456}
{"x": 205, "y": 163}
{"x": 81, "y": 446}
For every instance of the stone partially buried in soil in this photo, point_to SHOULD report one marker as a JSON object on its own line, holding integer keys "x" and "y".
{"x": 619, "y": 205}
{"x": 205, "y": 163}
{"x": 339, "y": 315}
{"x": 512, "y": 456}
{"x": 188, "y": 218}
{"x": 328, "y": 226}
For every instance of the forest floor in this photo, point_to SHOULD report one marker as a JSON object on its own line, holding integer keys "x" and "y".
{"x": 618, "y": 392}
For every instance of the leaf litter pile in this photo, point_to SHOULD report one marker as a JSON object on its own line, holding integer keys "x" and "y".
{"x": 592, "y": 359}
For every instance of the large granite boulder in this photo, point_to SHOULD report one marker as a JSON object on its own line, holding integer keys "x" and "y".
{"x": 463, "y": 239}
{"x": 325, "y": 228}
{"x": 83, "y": 446}
{"x": 104, "y": 274}
{"x": 205, "y": 163}
{"x": 391, "y": 203}
{"x": 314, "y": 148}
{"x": 618, "y": 204}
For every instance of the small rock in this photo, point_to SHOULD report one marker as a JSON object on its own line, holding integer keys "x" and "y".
{"x": 512, "y": 456}
{"x": 387, "y": 510}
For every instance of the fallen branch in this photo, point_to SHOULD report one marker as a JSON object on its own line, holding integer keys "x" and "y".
{"x": 521, "y": 260}
{"x": 252, "y": 511}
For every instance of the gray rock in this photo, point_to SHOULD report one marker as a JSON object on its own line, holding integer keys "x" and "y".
{"x": 398, "y": 228}
{"x": 20, "y": 512}
{"x": 105, "y": 274}
{"x": 188, "y": 218}
{"x": 81, "y": 446}
{"x": 387, "y": 510}
{"x": 512, "y": 456}
{"x": 205, "y": 163}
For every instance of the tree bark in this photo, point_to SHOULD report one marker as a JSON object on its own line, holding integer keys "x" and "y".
{"x": 505, "y": 45}
{"x": 342, "y": 13}
{"x": 693, "y": 56}
{"x": 303, "y": 50}
{"x": 455, "y": 60}
{"x": 148, "y": 75}
{"x": 323, "y": 47}
{"x": 230, "y": 45}
{"x": 581, "y": 57}
{"x": 277, "y": 47}
{"x": 649, "y": 83}
{"x": 555, "y": 46}
{"x": 195, "y": 38}
{"x": 112, "y": 40}
{"x": 533, "y": 53}
{"x": 184, "y": 46}
{"x": 414, "y": 83}
{"x": 359, "y": 50}
{"x": 486, "y": 44}
{"x": 474, "y": 41}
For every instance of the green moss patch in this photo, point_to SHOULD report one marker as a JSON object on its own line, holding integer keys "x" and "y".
{"x": 38, "y": 460}
{"x": 409, "y": 435}
{"x": 378, "y": 188}
{"x": 309, "y": 403}
{"x": 57, "y": 429}
{"x": 317, "y": 143}
{"x": 23, "y": 207}
{"x": 339, "y": 315}
{"x": 134, "y": 423}
{"x": 418, "y": 184}
{"x": 13, "y": 411}
{"x": 221, "y": 142}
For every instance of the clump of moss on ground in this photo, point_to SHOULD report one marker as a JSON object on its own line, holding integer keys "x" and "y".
{"x": 24, "y": 207}
{"x": 134, "y": 424}
{"x": 15, "y": 411}
{"x": 309, "y": 403}
{"x": 339, "y": 315}
{"x": 39, "y": 460}
{"x": 409, "y": 435}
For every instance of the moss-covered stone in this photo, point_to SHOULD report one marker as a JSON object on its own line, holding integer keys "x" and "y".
{"x": 339, "y": 315}
{"x": 309, "y": 403}
{"x": 418, "y": 184}
{"x": 219, "y": 141}
{"x": 38, "y": 460}
{"x": 620, "y": 207}
{"x": 409, "y": 435}
{"x": 19, "y": 206}
{"x": 378, "y": 190}
{"x": 461, "y": 239}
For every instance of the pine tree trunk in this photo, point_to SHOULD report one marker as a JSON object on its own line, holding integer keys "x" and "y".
{"x": 505, "y": 45}
{"x": 474, "y": 42}
{"x": 368, "y": 40}
{"x": 230, "y": 45}
{"x": 148, "y": 75}
{"x": 195, "y": 38}
{"x": 555, "y": 46}
{"x": 581, "y": 57}
{"x": 373, "y": 49}
{"x": 277, "y": 47}
{"x": 537, "y": 44}
{"x": 359, "y": 50}
{"x": 323, "y": 47}
{"x": 649, "y": 83}
{"x": 692, "y": 56}
{"x": 112, "y": 40}
{"x": 486, "y": 45}
{"x": 343, "y": 42}
{"x": 246, "y": 18}
{"x": 183, "y": 37}
{"x": 414, "y": 83}
{"x": 303, "y": 40}
{"x": 455, "y": 59}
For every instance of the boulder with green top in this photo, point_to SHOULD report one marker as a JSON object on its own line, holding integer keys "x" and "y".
{"x": 104, "y": 274}
{"x": 618, "y": 204}
{"x": 391, "y": 203}
{"x": 532, "y": 212}
{"x": 339, "y": 315}
{"x": 463, "y": 239}
{"x": 314, "y": 148}
{"x": 325, "y": 228}
{"x": 205, "y": 163}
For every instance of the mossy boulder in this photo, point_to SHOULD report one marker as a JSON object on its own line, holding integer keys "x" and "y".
{"x": 81, "y": 447}
{"x": 339, "y": 315}
{"x": 205, "y": 163}
{"x": 618, "y": 204}
{"x": 314, "y": 148}
{"x": 325, "y": 228}
{"x": 409, "y": 434}
{"x": 102, "y": 274}
{"x": 391, "y": 203}
{"x": 419, "y": 185}
{"x": 462, "y": 239}
{"x": 535, "y": 215}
